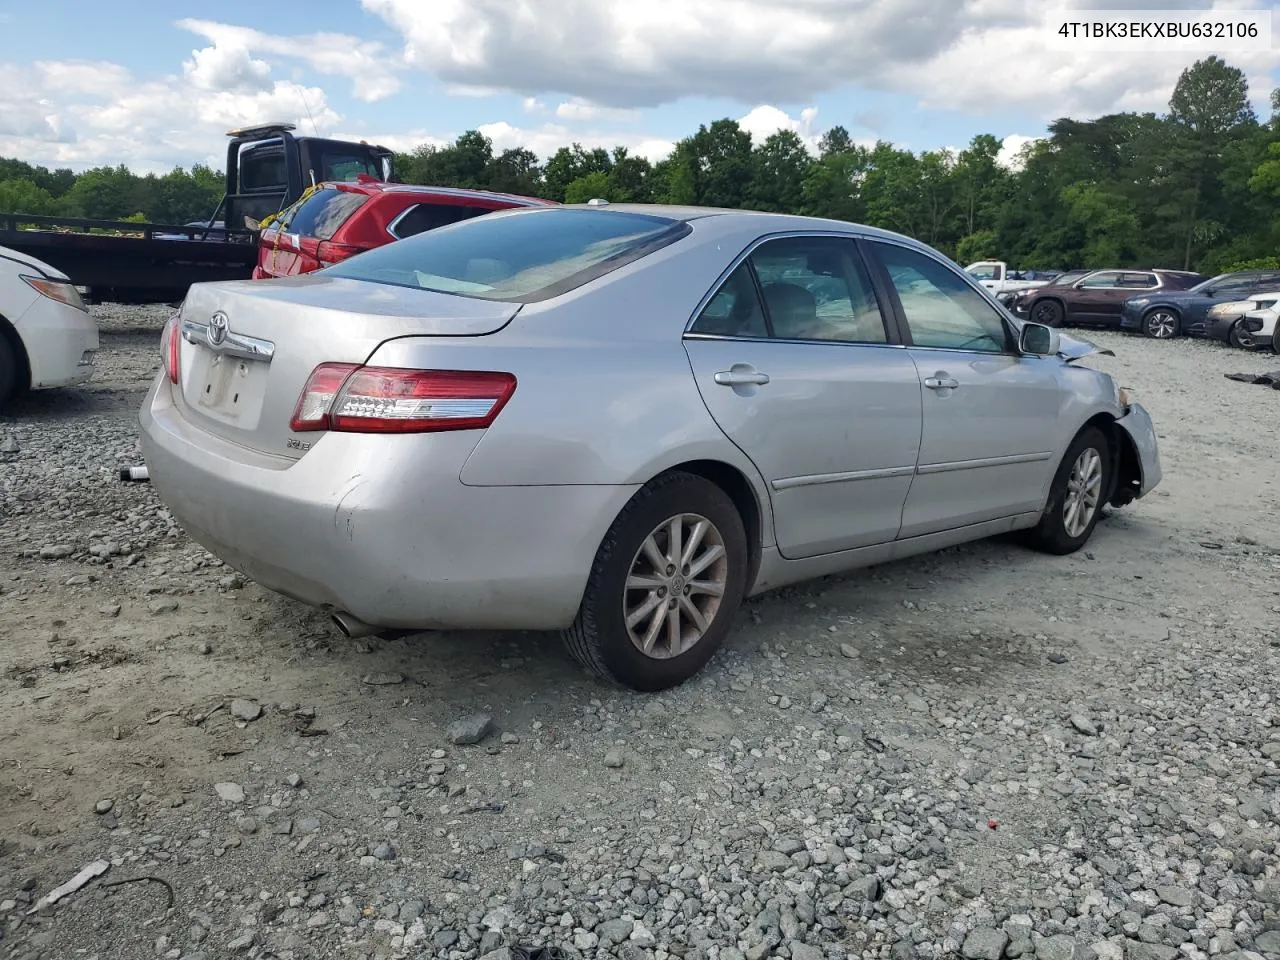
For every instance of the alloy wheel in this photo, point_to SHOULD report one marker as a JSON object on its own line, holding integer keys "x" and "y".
{"x": 675, "y": 586}
{"x": 1084, "y": 491}
{"x": 1162, "y": 325}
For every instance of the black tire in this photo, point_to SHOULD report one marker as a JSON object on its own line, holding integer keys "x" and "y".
{"x": 1275, "y": 339}
{"x": 1050, "y": 535}
{"x": 599, "y": 638}
{"x": 8, "y": 370}
{"x": 1162, "y": 324}
{"x": 1239, "y": 337}
{"x": 1048, "y": 312}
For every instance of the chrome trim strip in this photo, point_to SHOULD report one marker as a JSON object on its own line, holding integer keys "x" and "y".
{"x": 786, "y": 483}
{"x": 821, "y": 343}
{"x": 927, "y": 468}
{"x": 235, "y": 345}
{"x": 391, "y": 227}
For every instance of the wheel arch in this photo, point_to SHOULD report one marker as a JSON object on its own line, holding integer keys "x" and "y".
{"x": 10, "y": 334}
{"x": 1126, "y": 465}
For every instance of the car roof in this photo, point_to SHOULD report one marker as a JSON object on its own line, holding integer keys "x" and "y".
{"x": 372, "y": 187}
{"x": 766, "y": 220}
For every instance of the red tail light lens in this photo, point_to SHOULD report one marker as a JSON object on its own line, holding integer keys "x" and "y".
{"x": 351, "y": 399}
{"x": 170, "y": 349}
{"x": 329, "y": 253}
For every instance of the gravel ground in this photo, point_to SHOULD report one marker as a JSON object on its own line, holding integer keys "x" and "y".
{"x": 981, "y": 753}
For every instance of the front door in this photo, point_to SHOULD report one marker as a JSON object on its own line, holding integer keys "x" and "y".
{"x": 793, "y": 360}
{"x": 986, "y": 449}
{"x": 1098, "y": 297}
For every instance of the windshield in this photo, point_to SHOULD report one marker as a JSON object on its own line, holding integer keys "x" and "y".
{"x": 522, "y": 257}
{"x": 1206, "y": 284}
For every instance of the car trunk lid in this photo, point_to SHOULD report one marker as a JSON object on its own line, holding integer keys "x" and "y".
{"x": 248, "y": 347}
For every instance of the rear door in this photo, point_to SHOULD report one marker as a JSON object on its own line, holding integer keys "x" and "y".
{"x": 989, "y": 414}
{"x": 795, "y": 362}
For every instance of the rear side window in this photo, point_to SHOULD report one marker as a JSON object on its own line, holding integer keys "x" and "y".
{"x": 422, "y": 217}
{"x": 1141, "y": 280}
{"x": 322, "y": 213}
{"x": 522, "y": 257}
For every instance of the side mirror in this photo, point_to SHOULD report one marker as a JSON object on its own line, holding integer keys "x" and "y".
{"x": 1037, "y": 340}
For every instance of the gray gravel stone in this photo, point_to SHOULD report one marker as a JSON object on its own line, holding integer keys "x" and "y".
{"x": 470, "y": 730}
{"x": 246, "y": 710}
{"x": 984, "y": 944}
{"x": 230, "y": 792}
{"x": 103, "y": 806}
{"x": 614, "y": 759}
{"x": 1084, "y": 725}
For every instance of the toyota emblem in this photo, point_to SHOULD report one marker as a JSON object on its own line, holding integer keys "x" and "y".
{"x": 218, "y": 329}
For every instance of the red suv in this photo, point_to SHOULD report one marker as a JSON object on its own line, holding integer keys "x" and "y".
{"x": 340, "y": 220}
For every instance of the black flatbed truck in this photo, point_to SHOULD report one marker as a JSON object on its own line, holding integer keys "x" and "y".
{"x": 268, "y": 168}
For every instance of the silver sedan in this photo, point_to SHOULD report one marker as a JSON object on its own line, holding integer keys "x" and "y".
{"x": 618, "y": 421}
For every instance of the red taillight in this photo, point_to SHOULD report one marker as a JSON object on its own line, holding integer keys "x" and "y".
{"x": 329, "y": 253}
{"x": 170, "y": 348}
{"x": 353, "y": 399}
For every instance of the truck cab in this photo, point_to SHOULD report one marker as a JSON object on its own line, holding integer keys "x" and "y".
{"x": 268, "y": 168}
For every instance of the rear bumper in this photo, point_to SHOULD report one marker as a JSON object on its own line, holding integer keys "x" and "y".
{"x": 372, "y": 526}
{"x": 1142, "y": 432}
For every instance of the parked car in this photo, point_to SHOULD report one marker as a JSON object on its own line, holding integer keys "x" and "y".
{"x": 1258, "y": 327}
{"x": 618, "y": 420}
{"x": 996, "y": 276}
{"x": 1019, "y": 301}
{"x": 1169, "y": 312}
{"x": 340, "y": 220}
{"x": 1098, "y": 298}
{"x": 47, "y": 338}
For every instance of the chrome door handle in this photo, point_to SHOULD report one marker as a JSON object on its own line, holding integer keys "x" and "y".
{"x": 941, "y": 383}
{"x": 739, "y": 377}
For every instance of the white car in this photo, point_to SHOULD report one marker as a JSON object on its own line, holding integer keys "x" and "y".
{"x": 47, "y": 338}
{"x": 1257, "y": 329}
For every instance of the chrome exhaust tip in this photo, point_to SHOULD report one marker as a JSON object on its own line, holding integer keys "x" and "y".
{"x": 352, "y": 627}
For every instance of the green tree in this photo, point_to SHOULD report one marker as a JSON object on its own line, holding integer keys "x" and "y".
{"x": 23, "y": 196}
{"x": 593, "y": 185}
{"x": 778, "y": 168}
{"x": 983, "y": 245}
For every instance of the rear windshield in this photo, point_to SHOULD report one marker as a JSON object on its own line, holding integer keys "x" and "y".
{"x": 522, "y": 257}
{"x": 322, "y": 213}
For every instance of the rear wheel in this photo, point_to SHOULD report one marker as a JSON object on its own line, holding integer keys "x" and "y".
{"x": 664, "y": 586}
{"x": 1275, "y": 338}
{"x": 8, "y": 370}
{"x": 1161, "y": 324}
{"x": 1076, "y": 497}
{"x": 1048, "y": 312}
{"x": 1240, "y": 337}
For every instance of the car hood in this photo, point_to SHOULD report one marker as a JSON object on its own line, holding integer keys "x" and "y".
{"x": 39, "y": 266}
{"x": 1077, "y": 348}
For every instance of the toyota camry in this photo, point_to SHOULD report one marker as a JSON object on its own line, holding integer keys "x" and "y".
{"x": 616, "y": 421}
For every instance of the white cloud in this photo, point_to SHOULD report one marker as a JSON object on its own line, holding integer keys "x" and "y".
{"x": 78, "y": 114}
{"x": 229, "y": 64}
{"x": 533, "y": 105}
{"x": 1010, "y": 147}
{"x": 579, "y": 109}
{"x": 765, "y": 120}
{"x": 975, "y": 55}
{"x": 547, "y": 138}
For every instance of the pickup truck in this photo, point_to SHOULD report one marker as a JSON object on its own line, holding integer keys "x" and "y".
{"x": 268, "y": 168}
{"x": 996, "y": 276}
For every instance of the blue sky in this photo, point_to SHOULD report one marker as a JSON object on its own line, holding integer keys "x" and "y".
{"x": 155, "y": 84}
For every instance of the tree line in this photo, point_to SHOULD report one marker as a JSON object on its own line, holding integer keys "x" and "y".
{"x": 1197, "y": 187}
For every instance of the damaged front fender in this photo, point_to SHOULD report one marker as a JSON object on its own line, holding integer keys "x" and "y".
{"x": 1077, "y": 348}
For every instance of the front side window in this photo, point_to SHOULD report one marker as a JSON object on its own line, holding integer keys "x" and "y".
{"x": 984, "y": 272}
{"x": 941, "y": 310}
{"x": 520, "y": 258}
{"x": 1105, "y": 279}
